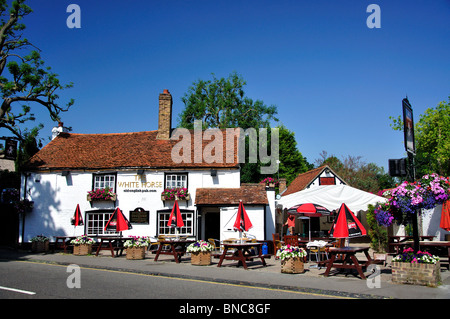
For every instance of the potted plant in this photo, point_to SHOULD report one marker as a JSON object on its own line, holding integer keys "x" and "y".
{"x": 136, "y": 247}
{"x": 39, "y": 244}
{"x": 200, "y": 253}
{"x": 420, "y": 268}
{"x": 378, "y": 221}
{"x": 175, "y": 193}
{"x": 270, "y": 182}
{"x": 101, "y": 194}
{"x": 168, "y": 194}
{"x": 292, "y": 259}
{"x": 183, "y": 194}
{"x": 82, "y": 245}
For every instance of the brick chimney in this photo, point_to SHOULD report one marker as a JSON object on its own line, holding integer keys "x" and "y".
{"x": 281, "y": 185}
{"x": 165, "y": 116}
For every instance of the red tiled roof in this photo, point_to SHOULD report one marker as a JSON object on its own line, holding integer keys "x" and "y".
{"x": 117, "y": 150}
{"x": 249, "y": 194}
{"x": 304, "y": 179}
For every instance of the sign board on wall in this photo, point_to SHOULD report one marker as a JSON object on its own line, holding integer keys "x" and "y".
{"x": 139, "y": 216}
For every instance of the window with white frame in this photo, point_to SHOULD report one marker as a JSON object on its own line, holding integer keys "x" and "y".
{"x": 176, "y": 180}
{"x": 186, "y": 230}
{"x": 96, "y": 222}
{"x": 105, "y": 181}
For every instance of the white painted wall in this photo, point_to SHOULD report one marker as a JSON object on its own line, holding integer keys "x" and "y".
{"x": 56, "y": 197}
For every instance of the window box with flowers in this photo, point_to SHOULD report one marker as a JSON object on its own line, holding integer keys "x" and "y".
{"x": 136, "y": 247}
{"x": 419, "y": 268}
{"x": 175, "y": 194}
{"x": 270, "y": 182}
{"x": 39, "y": 244}
{"x": 200, "y": 253}
{"x": 101, "y": 194}
{"x": 292, "y": 259}
{"x": 82, "y": 245}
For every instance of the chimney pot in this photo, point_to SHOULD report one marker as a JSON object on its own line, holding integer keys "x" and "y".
{"x": 166, "y": 91}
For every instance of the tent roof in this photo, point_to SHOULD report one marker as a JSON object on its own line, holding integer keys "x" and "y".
{"x": 332, "y": 197}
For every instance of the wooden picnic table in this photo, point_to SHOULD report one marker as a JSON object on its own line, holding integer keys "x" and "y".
{"x": 395, "y": 242}
{"x": 177, "y": 248}
{"x": 349, "y": 260}
{"x": 63, "y": 242}
{"x": 111, "y": 243}
{"x": 241, "y": 253}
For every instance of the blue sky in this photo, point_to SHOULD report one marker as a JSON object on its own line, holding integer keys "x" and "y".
{"x": 334, "y": 80}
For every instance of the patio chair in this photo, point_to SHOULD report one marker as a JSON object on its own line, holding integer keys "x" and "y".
{"x": 291, "y": 240}
{"x": 215, "y": 243}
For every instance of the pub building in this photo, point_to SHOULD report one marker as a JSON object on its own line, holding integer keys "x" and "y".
{"x": 136, "y": 168}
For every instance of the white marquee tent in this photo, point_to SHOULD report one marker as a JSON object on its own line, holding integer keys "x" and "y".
{"x": 332, "y": 197}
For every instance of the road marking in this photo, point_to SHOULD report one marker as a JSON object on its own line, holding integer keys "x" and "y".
{"x": 196, "y": 280}
{"x": 18, "y": 290}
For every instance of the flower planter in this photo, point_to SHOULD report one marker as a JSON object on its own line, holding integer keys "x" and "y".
{"x": 187, "y": 197}
{"x": 82, "y": 250}
{"x": 416, "y": 273}
{"x": 112, "y": 199}
{"x": 40, "y": 246}
{"x": 134, "y": 253}
{"x": 292, "y": 265}
{"x": 201, "y": 258}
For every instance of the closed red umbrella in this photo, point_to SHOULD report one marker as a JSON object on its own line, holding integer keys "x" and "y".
{"x": 118, "y": 222}
{"x": 175, "y": 219}
{"x": 445, "y": 216}
{"x": 242, "y": 222}
{"x": 346, "y": 224}
{"x": 77, "y": 219}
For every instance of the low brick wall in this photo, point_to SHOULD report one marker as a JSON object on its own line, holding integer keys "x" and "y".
{"x": 416, "y": 274}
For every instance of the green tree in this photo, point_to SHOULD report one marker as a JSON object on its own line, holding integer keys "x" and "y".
{"x": 24, "y": 80}
{"x": 357, "y": 173}
{"x": 292, "y": 161}
{"x": 221, "y": 103}
{"x": 432, "y": 135}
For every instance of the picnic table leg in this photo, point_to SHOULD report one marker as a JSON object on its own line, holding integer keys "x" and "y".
{"x": 99, "y": 247}
{"x": 158, "y": 252}
{"x": 223, "y": 256}
{"x": 330, "y": 264}
{"x": 111, "y": 248}
{"x": 175, "y": 254}
{"x": 241, "y": 258}
{"x": 357, "y": 266}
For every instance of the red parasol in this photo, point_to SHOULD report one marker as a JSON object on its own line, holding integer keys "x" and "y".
{"x": 118, "y": 222}
{"x": 346, "y": 224}
{"x": 242, "y": 222}
{"x": 309, "y": 210}
{"x": 77, "y": 219}
{"x": 175, "y": 219}
{"x": 445, "y": 216}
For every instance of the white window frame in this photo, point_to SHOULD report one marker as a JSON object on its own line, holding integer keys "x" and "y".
{"x": 176, "y": 180}
{"x": 96, "y": 222}
{"x": 186, "y": 230}
{"x": 105, "y": 180}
